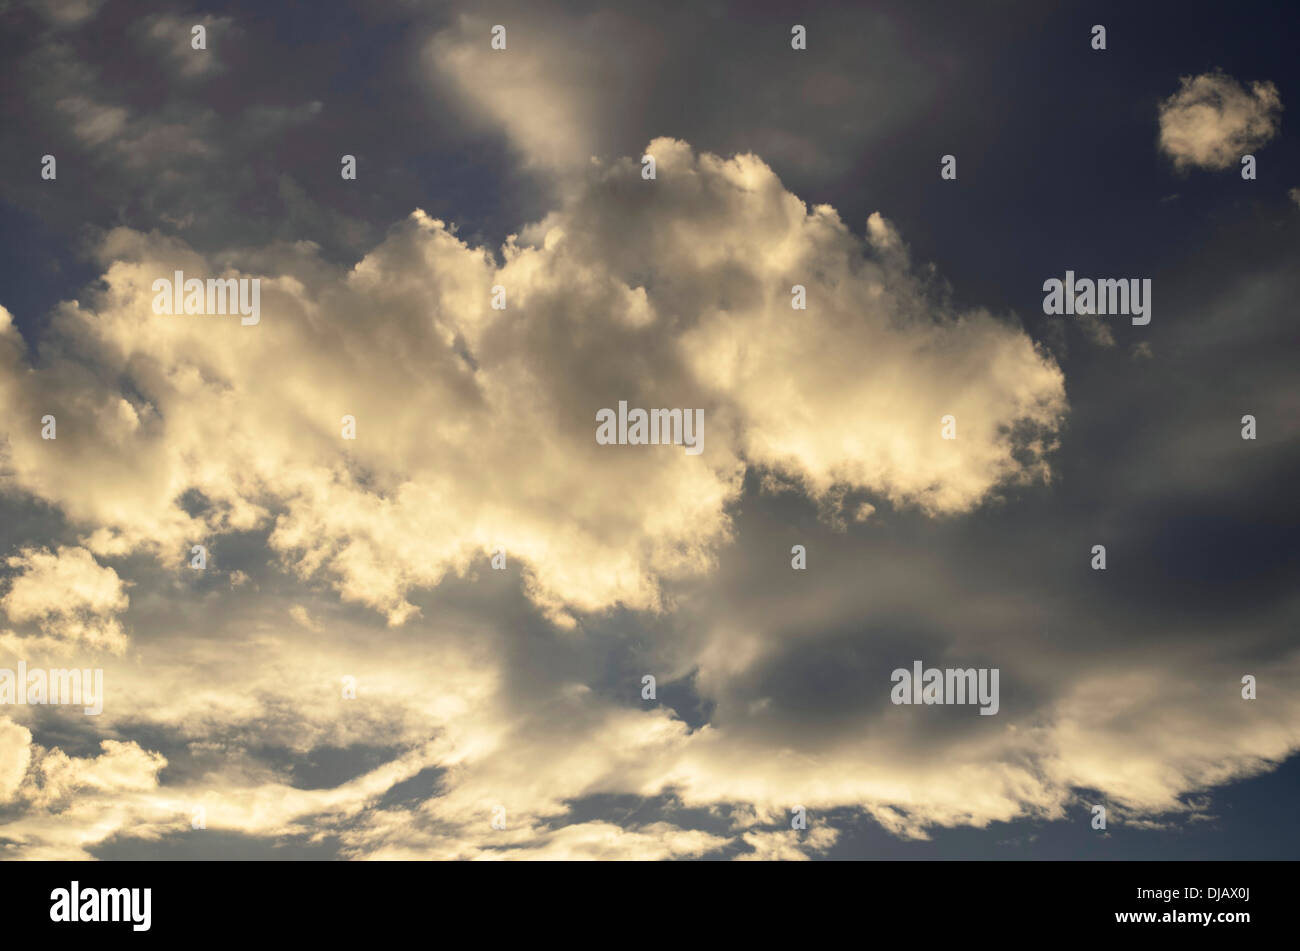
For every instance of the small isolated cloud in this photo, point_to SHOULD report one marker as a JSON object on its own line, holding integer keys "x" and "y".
{"x": 1294, "y": 195}
{"x": 68, "y": 596}
{"x": 1213, "y": 120}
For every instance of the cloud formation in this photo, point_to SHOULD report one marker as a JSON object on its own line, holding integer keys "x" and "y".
{"x": 1213, "y": 120}
{"x": 673, "y": 292}
{"x": 69, "y": 597}
{"x": 337, "y": 563}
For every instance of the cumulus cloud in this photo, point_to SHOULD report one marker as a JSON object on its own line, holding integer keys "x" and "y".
{"x": 475, "y": 431}
{"x": 69, "y": 596}
{"x": 66, "y": 803}
{"x": 1213, "y": 120}
{"x": 475, "y": 426}
{"x": 121, "y": 767}
{"x": 520, "y": 690}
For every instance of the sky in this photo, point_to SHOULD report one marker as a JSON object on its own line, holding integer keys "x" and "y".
{"x": 363, "y": 577}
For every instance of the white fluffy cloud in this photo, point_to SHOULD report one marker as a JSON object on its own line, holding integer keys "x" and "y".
{"x": 475, "y": 430}
{"x": 475, "y": 427}
{"x": 1213, "y": 120}
{"x": 70, "y": 597}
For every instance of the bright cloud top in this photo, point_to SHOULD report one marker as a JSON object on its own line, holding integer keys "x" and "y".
{"x": 475, "y": 426}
